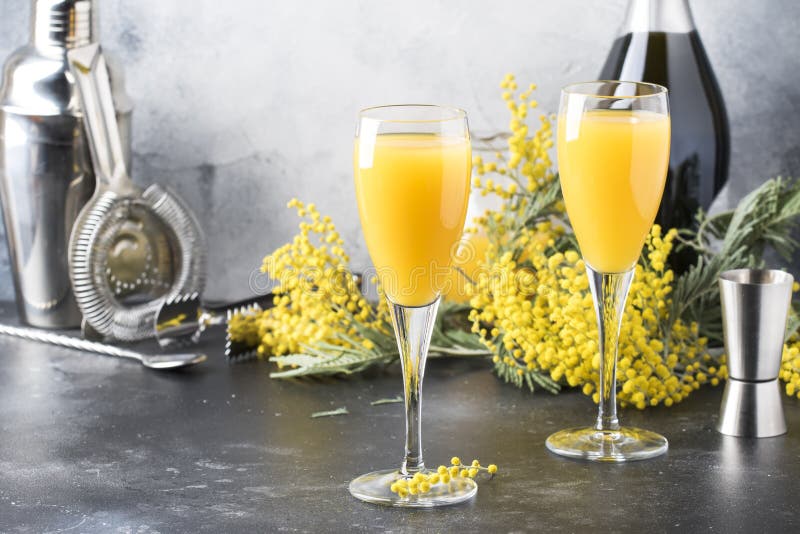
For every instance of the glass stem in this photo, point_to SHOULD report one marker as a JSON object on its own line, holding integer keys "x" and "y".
{"x": 413, "y": 327}
{"x": 609, "y": 291}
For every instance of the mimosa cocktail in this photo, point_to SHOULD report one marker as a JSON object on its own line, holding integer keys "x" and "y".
{"x": 412, "y": 174}
{"x": 613, "y": 151}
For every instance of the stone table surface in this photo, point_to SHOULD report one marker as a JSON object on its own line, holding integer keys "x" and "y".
{"x": 96, "y": 444}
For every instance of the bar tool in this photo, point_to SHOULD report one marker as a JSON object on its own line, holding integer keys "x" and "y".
{"x": 755, "y": 306}
{"x": 130, "y": 249}
{"x": 181, "y": 321}
{"x": 153, "y": 361}
{"x": 238, "y": 351}
{"x": 46, "y": 174}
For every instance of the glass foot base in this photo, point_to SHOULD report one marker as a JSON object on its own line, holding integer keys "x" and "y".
{"x": 374, "y": 487}
{"x": 623, "y": 445}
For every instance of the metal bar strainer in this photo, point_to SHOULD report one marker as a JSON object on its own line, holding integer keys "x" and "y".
{"x": 130, "y": 249}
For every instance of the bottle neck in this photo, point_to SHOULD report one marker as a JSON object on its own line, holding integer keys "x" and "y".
{"x": 674, "y": 16}
{"x": 63, "y": 24}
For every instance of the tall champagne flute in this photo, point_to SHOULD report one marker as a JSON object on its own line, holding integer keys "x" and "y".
{"x": 412, "y": 168}
{"x": 613, "y": 153}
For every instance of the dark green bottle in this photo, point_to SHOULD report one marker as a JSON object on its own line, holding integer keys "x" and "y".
{"x": 659, "y": 43}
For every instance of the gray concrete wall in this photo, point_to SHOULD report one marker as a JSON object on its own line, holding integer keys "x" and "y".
{"x": 241, "y": 105}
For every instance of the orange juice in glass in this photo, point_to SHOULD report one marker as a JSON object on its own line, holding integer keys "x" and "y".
{"x": 412, "y": 192}
{"x": 613, "y": 152}
{"x": 613, "y": 165}
{"x": 412, "y": 168}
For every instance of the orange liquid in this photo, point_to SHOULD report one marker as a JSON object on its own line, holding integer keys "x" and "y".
{"x": 412, "y": 192}
{"x": 466, "y": 266}
{"x": 612, "y": 166}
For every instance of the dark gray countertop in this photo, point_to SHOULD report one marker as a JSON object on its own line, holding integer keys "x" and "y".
{"x": 95, "y": 444}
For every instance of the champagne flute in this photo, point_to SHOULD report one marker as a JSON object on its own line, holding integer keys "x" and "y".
{"x": 412, "y": 167}
{"x": 613, "y": 153}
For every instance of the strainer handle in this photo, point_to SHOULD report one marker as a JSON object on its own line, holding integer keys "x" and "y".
{"x": 88, "y": 65}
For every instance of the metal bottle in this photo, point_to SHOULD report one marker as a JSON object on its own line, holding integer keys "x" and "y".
{"x": 45, "y": 168}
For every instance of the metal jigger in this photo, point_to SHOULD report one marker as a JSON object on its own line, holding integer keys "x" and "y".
{"x": 755, "y": 305}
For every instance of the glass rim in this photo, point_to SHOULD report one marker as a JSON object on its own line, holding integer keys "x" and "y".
{"x": 373, "y": 113}
{"x": 571, "y": 89}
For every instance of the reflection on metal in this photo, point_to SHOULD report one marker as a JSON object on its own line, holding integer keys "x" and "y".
{"x": 153, "y": 361}
{"x": 45, "y": 170}
{"x": 130, "y": 249}
{"x": 755, "y": 306}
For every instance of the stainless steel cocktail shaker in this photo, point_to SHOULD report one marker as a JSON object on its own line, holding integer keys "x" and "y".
{"x": 45, "y": 167}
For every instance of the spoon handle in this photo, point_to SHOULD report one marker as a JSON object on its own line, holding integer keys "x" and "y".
{"x": 67, "y": 341}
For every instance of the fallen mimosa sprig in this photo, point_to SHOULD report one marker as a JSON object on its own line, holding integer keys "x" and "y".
{"x": 421, "y": 483}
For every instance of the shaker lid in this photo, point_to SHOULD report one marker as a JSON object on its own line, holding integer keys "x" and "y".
{"x": 36, "y": 78}
{"x": 63, "y": 23}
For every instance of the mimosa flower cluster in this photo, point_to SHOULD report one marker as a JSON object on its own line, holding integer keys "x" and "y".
{"x": 421, "y": 483}
{"x": 531, "y": 302}
{"x": 317, "y": 300}
{"x": 790, "y": 366}
{"x": 532, "y": 306}
{"x": 320, "y": 322}
{"x": 537, "y": 315}
{"x": 530, "y": 309}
